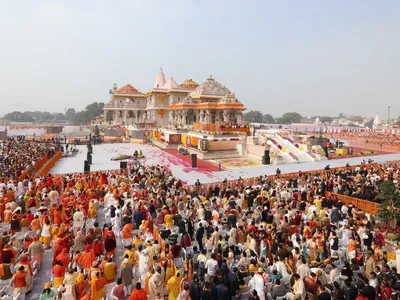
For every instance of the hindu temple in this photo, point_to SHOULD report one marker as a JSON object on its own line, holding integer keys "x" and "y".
{"x": 206, "y": 118}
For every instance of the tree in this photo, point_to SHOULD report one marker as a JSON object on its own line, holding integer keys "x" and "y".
{"x": 254, "y": 116}
{"x": 59, "y": 117}
{"x": 17, "y": 116}
{"x": 94, "y": 110}
{"x": 70, "y": 114}
{"x": 290, "y": 117}
{"x": 341, "y": 115}
{"x": 81, "y": 117}
{"x": 46, "y": 116}
{"x": 389, "y": 207}
{"x": 267, "y": 118}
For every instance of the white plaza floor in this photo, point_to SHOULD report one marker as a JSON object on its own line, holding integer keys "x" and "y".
{"x": 102, "y": 155}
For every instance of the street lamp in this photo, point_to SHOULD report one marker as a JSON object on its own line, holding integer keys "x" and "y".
{"x": 388, "y": 122}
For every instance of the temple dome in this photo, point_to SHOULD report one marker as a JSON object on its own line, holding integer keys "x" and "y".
{"x": 189, "y": 84}
{"x": 128, "y": 89}
{"x": 211, "y": 87}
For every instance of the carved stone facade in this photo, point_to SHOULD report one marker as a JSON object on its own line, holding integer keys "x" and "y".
{"x": 175, "y": 106}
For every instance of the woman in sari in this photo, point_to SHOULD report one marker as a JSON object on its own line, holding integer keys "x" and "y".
{"x": 173, "y": 285}
{"x": 169, "y": 269}
{"x": 92, "y": 211}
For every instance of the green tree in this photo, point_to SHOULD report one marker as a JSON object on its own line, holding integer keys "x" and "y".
{"x": 59, "y": 117}
{"x": 389, "y": 207}
{"x": 94, "y": 110}
{"x": 46, "y": 116}
{"x": 290, "y": 117}
{"x": 267, "y": 118}
{"x": 253, "y": 116}
{"x": 17, "y": 116}
{"x": 70, "y": 114}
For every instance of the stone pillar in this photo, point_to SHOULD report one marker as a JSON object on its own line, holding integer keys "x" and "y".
{"x": 207, "y": 117}
{"x": 226, "y": 116}
{"x": 239, "y": 117}
{"x": 105, "y": 115}
{"x": 125, "y": 115}
{"x": 184, "y": 115}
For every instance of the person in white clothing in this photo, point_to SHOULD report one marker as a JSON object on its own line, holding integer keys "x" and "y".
{"x": 79, "y": 219}
{"x": 257, "y": 283}
{"x": 298, "y": 289}
{"x": 303, "y": 269}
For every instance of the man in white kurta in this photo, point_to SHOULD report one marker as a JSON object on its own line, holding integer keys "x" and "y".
{"x": 79, "y": 219}
{"x": 257, "y": 283}
{"x": 144, "y": 264}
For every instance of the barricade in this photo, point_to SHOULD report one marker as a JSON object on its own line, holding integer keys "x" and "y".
{"x": 203, "y": 188}
{"x": 35, "y": 168}
{"x": 367, "y": 206}
{"x": 50, "y": 164}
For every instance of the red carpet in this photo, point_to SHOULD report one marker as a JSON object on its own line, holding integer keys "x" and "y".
{"x": 201, "y": 164}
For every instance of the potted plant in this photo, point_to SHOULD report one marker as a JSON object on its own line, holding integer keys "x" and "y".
{"x": 389, "y": 208}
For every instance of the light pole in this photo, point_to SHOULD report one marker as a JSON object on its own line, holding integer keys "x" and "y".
{"x": 388, "y": 122}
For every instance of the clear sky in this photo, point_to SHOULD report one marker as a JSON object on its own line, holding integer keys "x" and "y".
{"x": 313, "y": 57}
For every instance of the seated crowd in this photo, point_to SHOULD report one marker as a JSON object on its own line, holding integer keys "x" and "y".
{"x": 18, "y": 155}
{"x": 280, "y": 239}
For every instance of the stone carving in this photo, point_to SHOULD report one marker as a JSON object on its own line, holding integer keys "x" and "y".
{"x": 188, "y": 100}
{"x": 211, "y": 87}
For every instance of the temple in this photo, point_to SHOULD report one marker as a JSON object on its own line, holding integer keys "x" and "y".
{"x": 189, "y": 112}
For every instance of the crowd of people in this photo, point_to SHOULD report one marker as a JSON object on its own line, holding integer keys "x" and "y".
{"x": 371, "y": 137}
{"x": 280, "y": 239}
{"x": 18, "y": 155}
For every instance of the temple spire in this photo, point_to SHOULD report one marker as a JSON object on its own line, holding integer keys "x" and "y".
{"x": 160, "y": 81}
{"x": 171, "y": 83}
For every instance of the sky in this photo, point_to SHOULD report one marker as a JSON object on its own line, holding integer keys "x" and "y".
{"x": 312, "y": 57}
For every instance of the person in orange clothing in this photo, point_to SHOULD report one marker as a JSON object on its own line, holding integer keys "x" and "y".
{"x": 80, "y": 286}
{"x": 127, "y": 234}
{"x": 87, "y": 258}
{"x": 7, "y": 214}
{"x": 58, "y": 273}
{"x": 64, "y": 258}
{"x": 138, "y": 293}
{"x": 351, "y": 248}
{"x": 57, "y": 215}
{"x": 97, "y": 287}
{"x": 52, "y": 209}
{"x": 61, "y": 243}
{"x": 36, "y": 224}
{"x": 19, "y": 281}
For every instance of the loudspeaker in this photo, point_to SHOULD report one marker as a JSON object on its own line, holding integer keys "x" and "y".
{"x": 89, "y": 158}
{"x": 194, "y": 160}
{"x": 123, "y": 165}
{"x": 86, "y": 167}
{"x": 90, "y": 148}
{"x": 266, "y": 159}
